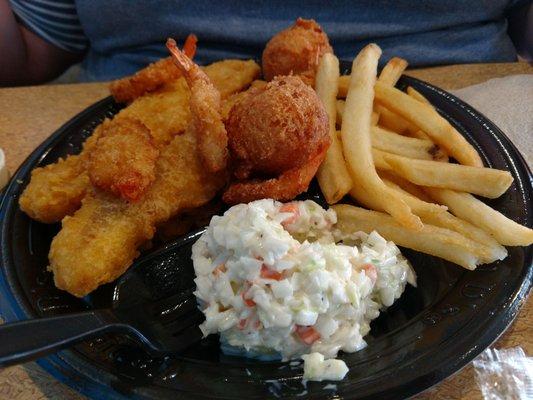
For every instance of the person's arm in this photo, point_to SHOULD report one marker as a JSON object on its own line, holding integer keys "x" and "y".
{"x": 25, "y": 57}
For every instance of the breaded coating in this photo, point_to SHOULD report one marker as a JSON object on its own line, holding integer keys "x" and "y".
{"x": 49, "y": 196}
{"x": 152, "y": 77}
{"x": 276, "y": 127}
{"x": 205, "y": 105}
{"x": 125, "y": 90}
{"x": 285, "y": 187}
{"x": 278, "y": 131}
{"x": 232, "y": 76}
{"x": 123, "y": 161}
{"x": 296, "y": 50}
{"x": 166, "y": 112}
{"x": 229, "y": 102}
{"x": 100, "y": 241}
{"x": 55, "y": 190}
{"x": 95, "y": 245}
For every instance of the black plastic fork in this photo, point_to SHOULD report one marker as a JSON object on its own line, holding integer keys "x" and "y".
{"x": 152, "y": 302}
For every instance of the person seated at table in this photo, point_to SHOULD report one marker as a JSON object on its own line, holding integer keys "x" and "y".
{"x": 41, "y": 38}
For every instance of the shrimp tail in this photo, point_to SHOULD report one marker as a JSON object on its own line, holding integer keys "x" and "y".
{"x": 182, "y": 61}
{"x": 205, "y": 106}
{"x": 189, "y": 47}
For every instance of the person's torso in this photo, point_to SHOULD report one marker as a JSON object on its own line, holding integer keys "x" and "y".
{"x": 127, "y": 35}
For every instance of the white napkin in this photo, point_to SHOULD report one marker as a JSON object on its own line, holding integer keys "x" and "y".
{"x": 4, "y": 176}
{"x": 508, "y": 102}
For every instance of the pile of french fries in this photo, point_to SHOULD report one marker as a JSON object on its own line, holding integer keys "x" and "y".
{"x": 392, "y": 156}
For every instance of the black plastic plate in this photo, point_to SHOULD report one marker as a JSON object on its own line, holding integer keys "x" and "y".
{"x": 430, "y": 333}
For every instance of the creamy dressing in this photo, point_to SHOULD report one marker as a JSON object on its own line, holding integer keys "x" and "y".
{"x": 273, "y": 279}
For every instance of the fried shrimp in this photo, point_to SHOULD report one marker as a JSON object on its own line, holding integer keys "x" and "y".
{"x": 283, "y": 188}
{"x": 278, "y": 131}
{"x": 205, "y": 104}
{"x": 296, "y": 50}
{"x": 152, "y": 77}
{"x": 123, "y": 160}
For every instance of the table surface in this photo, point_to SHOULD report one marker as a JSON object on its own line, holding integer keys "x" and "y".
{"x": 30, "y": 114}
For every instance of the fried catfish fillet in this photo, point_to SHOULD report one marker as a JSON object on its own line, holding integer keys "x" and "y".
{"x": 56, "y": 190}
{"x": 100, "y": 241}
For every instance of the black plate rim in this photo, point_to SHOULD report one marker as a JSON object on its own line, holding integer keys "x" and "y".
{"x": 60, "y": 365}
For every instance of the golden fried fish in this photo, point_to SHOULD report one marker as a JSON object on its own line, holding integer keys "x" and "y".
{"x": 58, "y": 189}
{"x": 100, "y": 241}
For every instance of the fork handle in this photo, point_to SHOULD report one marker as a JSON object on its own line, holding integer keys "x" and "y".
{"x": 34, "y": 338}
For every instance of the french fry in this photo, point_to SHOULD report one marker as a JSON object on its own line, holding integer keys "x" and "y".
{"x": 427, "y": 119}
{"x": 487, "y": 182}
{"x": 415, "y": 94}
{"x": 356, "y": 140}
{"x": 333, "y": 177}
{"x": 397, "y": 124}
{"x": 379, "y": 160}
{"x": 465, "y": 206}
{"x": 417, "y": 205}
{"x": 391, "y": 73}
{"x": 391, "y": 142}
{"x": 405, "y": 185}
{"x": 489, "y": 250}
{"x": 362, "y": 197}
{"x": 340, "y": 110}
{"x": 394, "y": 122}
{"x": 374, "y": 118}
{"x": 419, "y": 134}
{"x": 486, "y": 248}
{"x": 407, "y": 147}
{"x": 433, "y": 240}
{"x": 344, "y": 83}
{"x": 389, "y": 76}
